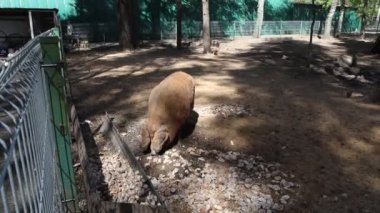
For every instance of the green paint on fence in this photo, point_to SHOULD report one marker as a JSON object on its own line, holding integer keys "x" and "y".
{"x": 56, "y": 86}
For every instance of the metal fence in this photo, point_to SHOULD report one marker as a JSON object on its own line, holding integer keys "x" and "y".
{"x": 30, "y": 178}
{"x": 232, "y": 29}
{"x": 219, "y": 29}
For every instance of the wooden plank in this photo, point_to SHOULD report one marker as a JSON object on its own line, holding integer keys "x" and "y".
{"x": 112, "y": 134}
{"x": 94, "y": 203}
{"x": 129, "y": 208}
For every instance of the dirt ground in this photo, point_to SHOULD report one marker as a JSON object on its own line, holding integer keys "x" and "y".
{"x": 300, "y": 119}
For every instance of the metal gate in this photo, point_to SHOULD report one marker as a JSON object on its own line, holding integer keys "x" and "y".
{"x": 35, "y": 159}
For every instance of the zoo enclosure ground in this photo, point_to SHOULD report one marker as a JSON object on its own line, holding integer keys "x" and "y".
{"x": 301, "y": 119}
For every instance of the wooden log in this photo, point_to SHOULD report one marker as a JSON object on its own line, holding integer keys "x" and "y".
{"x": 94, "y": 202}
{"x": 112, "y": 134}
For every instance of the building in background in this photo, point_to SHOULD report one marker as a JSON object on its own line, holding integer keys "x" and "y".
{"x": 19, "y": 25}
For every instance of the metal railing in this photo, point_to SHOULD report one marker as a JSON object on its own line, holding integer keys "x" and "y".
{"x": 30, "y": 178}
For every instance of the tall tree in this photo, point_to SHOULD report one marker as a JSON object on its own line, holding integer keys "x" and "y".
{"x": 376, "y": 47}
{"x": 127, "y": 32}
{"x": 364, "y": 18}
{"x": 259, "y": 19}
{"x": 155, "y": 17}
{"x": 206, "y": 26}
{"x": 341, "y": 17}
{"x": 329, "y": 18}
{"x": 366, "y": 9}
{"x": 310, "y": 48}
{"x": 378, "y": 16}
{"x": 179, "y": 24}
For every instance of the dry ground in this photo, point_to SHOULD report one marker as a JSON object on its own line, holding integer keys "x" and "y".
{"x": 301, "y": 119}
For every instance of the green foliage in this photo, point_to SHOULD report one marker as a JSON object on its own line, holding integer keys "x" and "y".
{"x": 366, "y": 8}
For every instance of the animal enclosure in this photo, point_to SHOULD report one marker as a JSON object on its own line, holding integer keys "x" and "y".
{"x": 270, "y": 134}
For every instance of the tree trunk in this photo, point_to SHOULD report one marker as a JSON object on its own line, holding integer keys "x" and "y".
{"x": 376, "y": 47}
{"x": 364, "y": 19}
{"x": 259, "y": 19}
{"x": 179, "y": 24}
{"x": 341, "y": 17}
{"x": 127, "y": 38}
{"x": 206, "y": 27}
{"x": 155, "y": 15}
{"x": 310, "y": 54}
{"x": 378, "y": 18}
{"x": 329, "y": 18}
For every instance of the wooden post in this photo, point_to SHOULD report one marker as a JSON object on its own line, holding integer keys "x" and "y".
{"x": 53, "y": 71}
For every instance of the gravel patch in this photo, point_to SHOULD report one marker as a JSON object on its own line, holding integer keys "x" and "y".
{"x": 199, "y": 179}
{"x": 224, "y": 110}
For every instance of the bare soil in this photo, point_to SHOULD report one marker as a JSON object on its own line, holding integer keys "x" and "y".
{"x": 299, "y": 119}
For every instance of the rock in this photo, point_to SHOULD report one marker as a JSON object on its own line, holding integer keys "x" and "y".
{"x": 218, "y": 207}
{"x": 344, "y": 195}
{"x": 175, "y": 171}
{"x": 221, "y": 159}
{"x": 278, "y": 207}
{"x": 82, "y": 205}
{"x": 173, "y": 190}
{"x": 284, "y": 199}
{"x": 155, "y": 182}
{"x": 274, "y": 187}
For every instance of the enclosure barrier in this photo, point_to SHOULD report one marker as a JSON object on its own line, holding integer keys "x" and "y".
{"x": 35, "y": 161}
{"x": 106, "y": 32}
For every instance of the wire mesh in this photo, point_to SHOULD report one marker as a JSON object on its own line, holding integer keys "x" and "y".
{"x": 222, "y": 29}
{"x": 29, "y": 180}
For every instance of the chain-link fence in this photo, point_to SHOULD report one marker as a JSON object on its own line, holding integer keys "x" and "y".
{"x": 30, "y": 178}
{"x": 232, "y": 29}
{"x": 219, "y": 29}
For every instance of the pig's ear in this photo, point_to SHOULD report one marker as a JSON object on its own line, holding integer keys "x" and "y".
{"x": 160, "y": 138}
{"x": 145, "y": 139}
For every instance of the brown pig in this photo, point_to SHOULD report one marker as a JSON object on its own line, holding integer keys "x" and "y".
{"x": 170, "y": 104}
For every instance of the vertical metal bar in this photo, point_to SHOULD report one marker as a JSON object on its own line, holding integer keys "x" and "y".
{"x": 18, "y": 173}
{"x": 4, "y": 200}
{"x": 28, "y": 160}
{"x": 32, "y": 158}
{"x": 13, "y": 188}
{"x": 25, "y": 164}
{"x": 35, "y": 122}
{"x": 31, "y": 24}
{"x": 301, "y": 28}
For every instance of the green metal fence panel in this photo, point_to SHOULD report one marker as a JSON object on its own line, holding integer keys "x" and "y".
{"x": 52, "y": 64}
